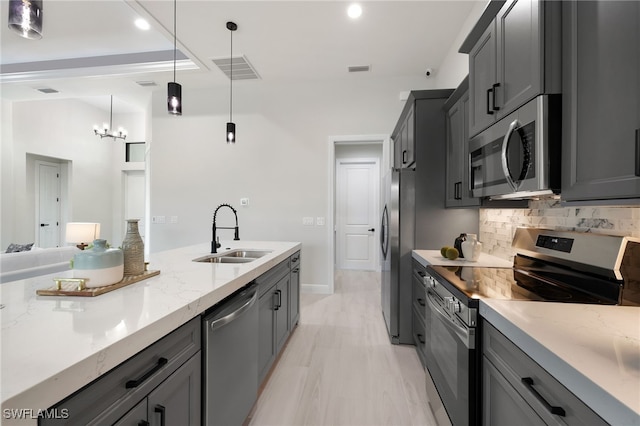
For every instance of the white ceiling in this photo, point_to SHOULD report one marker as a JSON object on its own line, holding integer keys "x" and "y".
{"x": 91, "y": 48}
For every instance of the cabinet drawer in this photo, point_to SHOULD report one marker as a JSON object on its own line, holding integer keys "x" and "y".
{"x": 272, "y": 276}
{"x": 294, "y": 260}
{"x": 419, "y": 334}
{"x": 533, "y": 383}
{"x": 119, "y": 390}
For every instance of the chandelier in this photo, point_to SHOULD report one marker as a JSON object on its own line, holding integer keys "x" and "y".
{"x": 106, "y": 130}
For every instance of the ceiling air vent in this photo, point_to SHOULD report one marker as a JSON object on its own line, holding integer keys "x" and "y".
{"x": 359, "y": 68}
{"x": 47, "y": 90}
{"x": 146, "y": 83}
{"x": 242, "y": 69}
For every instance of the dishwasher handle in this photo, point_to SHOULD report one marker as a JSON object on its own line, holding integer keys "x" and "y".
{"x": 215, "y": 324}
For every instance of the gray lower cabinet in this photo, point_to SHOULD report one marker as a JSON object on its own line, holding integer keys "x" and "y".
{"x": 517, "y": 390}
{"x": 601, "y": 100}
{"x": 278, "y": 307}
{"x": 458, "y": 190}
{"x": 159, "y": 385}
{"x": 418, "y": 317}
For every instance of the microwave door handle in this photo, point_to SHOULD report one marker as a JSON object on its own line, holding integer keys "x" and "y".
{"x": 505, "y": 143}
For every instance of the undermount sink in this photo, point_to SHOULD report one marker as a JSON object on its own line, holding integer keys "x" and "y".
{"x": 234, "y": 256}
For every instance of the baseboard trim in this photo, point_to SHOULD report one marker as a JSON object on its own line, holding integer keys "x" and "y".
{"x": 315, "y": 288}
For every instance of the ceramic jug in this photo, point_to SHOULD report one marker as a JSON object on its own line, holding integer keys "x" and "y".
{"x": 472, "y": 248}
{"x": 101, "y": 266}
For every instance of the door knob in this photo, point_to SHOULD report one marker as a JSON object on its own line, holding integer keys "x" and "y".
{"x": 372, "y": 229}
{"x": 44, "y": 224}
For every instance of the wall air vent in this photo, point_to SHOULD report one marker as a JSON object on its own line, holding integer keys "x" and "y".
{"x": 242, "y": 69}
{"x": 47, "y": 90}
{"x": 359, "y": 68}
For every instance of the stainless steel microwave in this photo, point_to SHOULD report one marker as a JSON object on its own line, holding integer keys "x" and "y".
{"x": 519, "y": 156}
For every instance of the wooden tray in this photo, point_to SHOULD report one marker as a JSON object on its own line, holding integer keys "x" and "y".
{"x": 74, "y": 286}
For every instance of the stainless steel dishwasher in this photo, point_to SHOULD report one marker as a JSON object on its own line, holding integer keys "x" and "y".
{"x": 230, "y": 337}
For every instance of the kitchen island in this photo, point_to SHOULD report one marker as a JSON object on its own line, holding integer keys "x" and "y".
{"x": 53, "y": 346}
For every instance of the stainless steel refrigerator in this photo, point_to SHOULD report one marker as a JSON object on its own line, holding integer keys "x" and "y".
{"x": 414, "y": 203}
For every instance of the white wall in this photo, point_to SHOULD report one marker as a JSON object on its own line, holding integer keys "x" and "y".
{"x": 61, "y": 129}
{"x": 455, "y": 66}
{"x": 280, "y": 161}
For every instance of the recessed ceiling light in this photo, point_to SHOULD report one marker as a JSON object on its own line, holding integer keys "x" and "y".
{"x": 142, "y": 24}
{"x": 354, "y": 11}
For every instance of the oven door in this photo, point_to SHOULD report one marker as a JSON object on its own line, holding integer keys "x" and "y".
{"x": 450, "y": 354}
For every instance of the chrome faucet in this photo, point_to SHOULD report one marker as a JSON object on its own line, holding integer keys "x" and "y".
{"x": 215, "y": 243}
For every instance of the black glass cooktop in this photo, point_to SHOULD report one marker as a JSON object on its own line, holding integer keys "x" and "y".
{"x": 529, "y": 281}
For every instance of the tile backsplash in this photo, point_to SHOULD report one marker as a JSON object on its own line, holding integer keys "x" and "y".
{"x": 497, "y": 226}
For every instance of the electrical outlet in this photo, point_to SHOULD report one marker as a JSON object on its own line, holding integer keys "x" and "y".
{"x": 320, "y": 221}
{"x": 158, "y": 219}
{"x": 244, "y": 201}
{"x": 307, "y": 221}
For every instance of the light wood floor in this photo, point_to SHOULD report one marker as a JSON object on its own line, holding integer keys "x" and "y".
{"x": 339, "y": 367}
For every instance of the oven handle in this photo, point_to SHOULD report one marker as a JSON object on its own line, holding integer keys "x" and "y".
{"x": 505, "y": 143}
{"x": 461, "y": 332}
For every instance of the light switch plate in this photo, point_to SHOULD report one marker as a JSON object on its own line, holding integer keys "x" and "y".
{"x": 244, "y": 201}
{"x": 320, "y": 221}
{"x": 307, "y": 221}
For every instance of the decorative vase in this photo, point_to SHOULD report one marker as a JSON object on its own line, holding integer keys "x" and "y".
{"x": 99, "y": 265}
{"x": 457, "y": 244}
{"x": 472, "y": 248}
{"x": 133, "y": 249}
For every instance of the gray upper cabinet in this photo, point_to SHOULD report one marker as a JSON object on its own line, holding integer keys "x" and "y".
{"x": 601, "y": 101}
{"x": 404, "y": 139}
{"x": 458, "y": 190}
{"x": 516, "y": 58}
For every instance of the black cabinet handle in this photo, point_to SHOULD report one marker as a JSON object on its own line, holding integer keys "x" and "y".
{"x": 421, "y": 302}
{"x": 160, "y": 410}
{"x": 143, "y": 423}
{"x": 279, "y": 304}
{"x": 295, "y": 271}
{"x": 493, "y": 90}
{"x": 421, "y": 339}
{"x": 528, "y": 383}
{"x": 294, "y": 259}
{"x": 404, "y": 156}
{"x": 137, "y": 382}
{"x": 422, "y": 274}
{"x": 489, "y": 96}
{"x": 637, "y": 152}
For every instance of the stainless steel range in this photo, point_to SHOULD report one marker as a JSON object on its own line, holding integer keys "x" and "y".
{"x": 552, "y": 266}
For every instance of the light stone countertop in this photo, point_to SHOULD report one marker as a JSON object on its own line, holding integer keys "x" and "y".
{"x": 593, "y": 350}
{"x": 52, "y": 346}
{"x": 433, "y": 257}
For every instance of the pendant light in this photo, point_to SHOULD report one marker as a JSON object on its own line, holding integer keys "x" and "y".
{"x": 174, "y": 90}
{"x": 25, "y": 18}
{"x": 106, "y": 131}
{"x": 231, "y": 126}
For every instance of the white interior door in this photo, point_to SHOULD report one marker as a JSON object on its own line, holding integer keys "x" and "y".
{"x": 48, "y": 204}
{"x": 357, "y": 189}
{"x": 134, "y": 200}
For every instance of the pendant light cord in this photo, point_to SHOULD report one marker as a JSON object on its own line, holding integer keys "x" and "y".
{"x": 231, "y": 81}
{"x": 175, "y": 43}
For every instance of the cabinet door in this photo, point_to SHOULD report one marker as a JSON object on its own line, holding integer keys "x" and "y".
{"x": 519, "y": 55}
{"x": 601, "y": 100}
{"x": 294, "y": 297}
{"x": 482, "y": 77}
{"x": 458, "y": 191}
{"x": 455, "y": 140}
{"x": 266, "y": 339}
{"x": 176, "y": 401}
{"x": 282, "y": 312}
{"x": 137, "y": 416}
{"x": 408, "y": 139}
{"x": 501, "y": 404}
